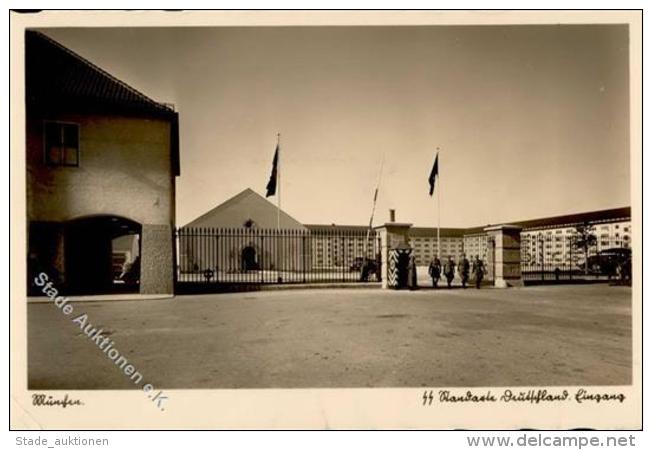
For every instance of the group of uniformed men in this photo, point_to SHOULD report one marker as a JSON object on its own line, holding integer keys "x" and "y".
{"x": 464, "y": 268}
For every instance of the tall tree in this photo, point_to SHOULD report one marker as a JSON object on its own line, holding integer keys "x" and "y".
{"x": 584, "y": 240}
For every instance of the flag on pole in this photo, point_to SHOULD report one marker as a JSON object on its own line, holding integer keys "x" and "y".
{"x": 434, "y": 173}
{"x": 271, "y": 184}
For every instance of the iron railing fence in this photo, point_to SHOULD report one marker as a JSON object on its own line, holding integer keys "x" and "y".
{"x": 266, "y": 256}
{"x": 568, "y": 256}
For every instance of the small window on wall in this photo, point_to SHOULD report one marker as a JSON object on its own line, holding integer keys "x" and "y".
{"x": 61, "y": 142}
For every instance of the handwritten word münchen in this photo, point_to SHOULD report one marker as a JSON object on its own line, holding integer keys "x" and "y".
{"x": 48, "y": 400}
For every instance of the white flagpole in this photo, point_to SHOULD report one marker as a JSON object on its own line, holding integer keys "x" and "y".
{"x": 373, "y": 207}
{"x": 279, "y": 279}
{"x": 278, "y": 182}
{"x": 438, "y": 204}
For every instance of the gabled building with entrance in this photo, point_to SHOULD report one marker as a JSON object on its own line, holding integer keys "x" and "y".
{"x": 239, "y": 228}
{"x": 101, "y": 162}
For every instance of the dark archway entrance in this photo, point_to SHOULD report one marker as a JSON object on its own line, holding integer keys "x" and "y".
{"x": 96, "y": 251}
{"x": 249, "y": 259}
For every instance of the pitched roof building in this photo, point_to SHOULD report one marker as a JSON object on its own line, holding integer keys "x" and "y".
{"x": 101, "y": 165}
{"x": 247, "y": 209}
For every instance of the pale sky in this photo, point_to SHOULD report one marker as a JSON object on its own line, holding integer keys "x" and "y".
{"x": 532, "y": 121}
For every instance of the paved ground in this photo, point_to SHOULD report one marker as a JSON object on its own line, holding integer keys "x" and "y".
{"x": 558, "y": 335}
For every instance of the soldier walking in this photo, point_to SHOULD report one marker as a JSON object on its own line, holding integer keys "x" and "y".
{"x": 464, "y": 269}
{"x": 478, "y": 271}
{"x": 449, "y": 271}
{"x": 434, "y": 270}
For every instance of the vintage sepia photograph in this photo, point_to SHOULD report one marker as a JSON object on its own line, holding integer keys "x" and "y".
{"x": 445, "y": 210}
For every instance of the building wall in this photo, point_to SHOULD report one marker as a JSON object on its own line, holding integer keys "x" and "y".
{"x": 476, "y": 245}
{"x": 554, "y": 244}
{"x": 424, "y": 248}
{"x": 124, "y": 170}
{"x": 341, "y": 250}
{"x": 617, "y": 234}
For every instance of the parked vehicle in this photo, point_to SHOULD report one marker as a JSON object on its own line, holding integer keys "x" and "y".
{"x": 605, "y": 262}
{"x": 356, "y": 265}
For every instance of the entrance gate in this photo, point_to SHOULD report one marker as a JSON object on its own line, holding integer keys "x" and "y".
{"x": 249, "y": 261}
{"x": 91, "y": 255}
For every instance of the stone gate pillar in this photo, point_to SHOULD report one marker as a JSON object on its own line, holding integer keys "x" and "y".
{"x": 506, "y": 254}
{"x": 156, "y": 260}
{"x": 491, "y": 258}
{"x": 392, "y": 236}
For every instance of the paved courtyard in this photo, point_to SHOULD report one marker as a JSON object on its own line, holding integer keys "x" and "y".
{"x": 552, "y": 335}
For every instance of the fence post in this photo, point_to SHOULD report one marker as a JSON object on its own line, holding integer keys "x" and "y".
{"x": 570, "y": 256}
{"x": 175, "y": 249}
{"x": 543, "y": 258}
{"x": 219, "y": 246}
{"x": 342, "y": 256}
{"x": 303, "y": 254}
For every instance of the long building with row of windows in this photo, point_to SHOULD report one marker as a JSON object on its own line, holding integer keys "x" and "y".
{"x": 337, "y": 245}
{"x": 553, "y": 239}
{"x": 559, "y": 243}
